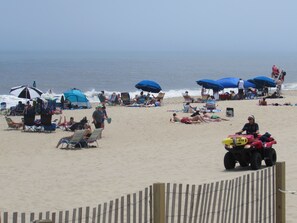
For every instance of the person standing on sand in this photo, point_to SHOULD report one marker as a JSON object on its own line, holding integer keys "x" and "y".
{"x": 240, "y": 88}
{"x": 98, "y": 117}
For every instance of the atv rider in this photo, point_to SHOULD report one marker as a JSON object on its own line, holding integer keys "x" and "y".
{"x": 251, "y": 127}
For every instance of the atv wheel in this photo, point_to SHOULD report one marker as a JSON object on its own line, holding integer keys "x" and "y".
{"x": 271, "y": 157}
{"x": 256, "y": 161}
{"x": 229, "y": 161}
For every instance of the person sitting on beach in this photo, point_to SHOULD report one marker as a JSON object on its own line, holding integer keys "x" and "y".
{"x": 66, "y": 125}
{"x": 185, "y": 120}
{"x": 263, "y": 102}
{"x": 141, "y": 99}
{"x": 197, "y": 117}
{"x": 251, "y": 128}
{"x": 188, "y": 108}
{"x": 87, "y": 134}
{"x": 187, "y": 97}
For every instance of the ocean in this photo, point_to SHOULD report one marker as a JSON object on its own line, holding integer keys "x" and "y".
{"x": 176, "y": 72}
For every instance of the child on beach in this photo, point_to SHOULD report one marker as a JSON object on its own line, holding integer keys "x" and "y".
{"x": 185, "y": 120}
{"x": 66, "y": 125}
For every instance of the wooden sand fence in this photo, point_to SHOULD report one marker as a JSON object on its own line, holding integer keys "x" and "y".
{"x": 254, "y": 197}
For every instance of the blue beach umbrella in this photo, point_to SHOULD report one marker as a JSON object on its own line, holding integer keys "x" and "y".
{"x": 148, "y": 85}
{"x": 75, "y": 95}
{"x": 264, "y": 81}
{"x": 232, "y": 82}
{"x": 210, "y": 84}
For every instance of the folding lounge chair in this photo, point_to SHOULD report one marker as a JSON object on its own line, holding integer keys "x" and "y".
{"x": 160, "y": 97}
{"x": 11, "y": 124}
{"x": 96, "y": 135}
{"x": 76, "y": 139}
{"x": 125, "y": 97}
{"x": 187, "y": 98}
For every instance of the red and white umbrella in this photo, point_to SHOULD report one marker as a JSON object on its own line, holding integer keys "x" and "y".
{"x": 26, "y": 92}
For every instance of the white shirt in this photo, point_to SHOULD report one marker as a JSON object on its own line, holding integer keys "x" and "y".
{"x": 241, "y": 84}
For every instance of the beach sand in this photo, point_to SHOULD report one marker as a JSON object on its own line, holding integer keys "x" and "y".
{"x": 140, "y": 147}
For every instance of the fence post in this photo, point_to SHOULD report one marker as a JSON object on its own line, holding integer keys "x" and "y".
{"x": 159, "y": 202}
{"x": 280, "y": 197}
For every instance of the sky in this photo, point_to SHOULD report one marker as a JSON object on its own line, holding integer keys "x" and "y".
{"x": 151, "y": 25}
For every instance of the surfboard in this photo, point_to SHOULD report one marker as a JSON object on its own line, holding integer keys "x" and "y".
{"x": 238, "y": 141}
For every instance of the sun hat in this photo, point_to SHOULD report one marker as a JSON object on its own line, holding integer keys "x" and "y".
{"x": 99, "y": 106}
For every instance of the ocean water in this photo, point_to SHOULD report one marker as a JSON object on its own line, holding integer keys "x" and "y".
{"x": 176, "y": 72}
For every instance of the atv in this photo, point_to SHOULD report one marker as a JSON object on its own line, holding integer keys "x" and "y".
{"x": 249, "y": 150}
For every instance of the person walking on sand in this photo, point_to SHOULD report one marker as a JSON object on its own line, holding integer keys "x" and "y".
{"x": 98, "y": 116}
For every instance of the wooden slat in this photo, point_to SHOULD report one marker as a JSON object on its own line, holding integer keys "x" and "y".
{"x": 14, "y": 217}
{"x": 238, "y": 200}
{"x": 233, "y": 209}
{"x": 134, "y": 207}
{"x": 274, "y": 193}
{"x": 23, "y": 218}
{"x": 146, "y": 205}
{"x": 253, "y": 200}
{"x": 80, "y": 215}
{"x": 31, "y": 217}
{"x": 216, "y": 192}
{"x": 99, "y": 214}
{"x": 197, "y": 203}
{"x": 87, "y": 218}
{"x": 269, "y": 194}
{"x": 40, "y": 216}
{"x": 122, "y": 209}
{"x": 173, "y": 203}
{"x": 231, "y": 199}
{"x": 210, "y": 193}
{"x": 140, "y": 214}
{"x": 116, "y": 211}
{"x": 225, "y": 192}
{"x": 192, "y": 204}
{"x": 180, "y": 191}
{"x": 128, "y": 208}
{"x": 104, "y": 212}
{"x": 257, "y": 195}
{"x": 202, "y": 204}
{"x": 110, "y": 211}
{"x": 186, "y": 204}
{"x": 167, "y": 202}
{"x": 5, "y": 217}
{"x": 219, "y": 210}
{"x": 93, "y": 215}
{"x": 261, "y": 197}
{"x": 60, "y": 216}
{"x": 205, "y": 203}
{"x": 248, "y": 182}
{"x": 265, "y": 196}
{"x": 151, "y": 204}
{"x": 47, "y": 215}
{"x": 227, "y": 201}
{"x": 74, "y": 215}
{"x": 67, "y": 217}
{"x": 54, "y": 217}
{"x": 242, "y": 206}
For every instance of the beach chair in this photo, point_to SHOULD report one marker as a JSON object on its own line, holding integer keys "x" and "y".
{"x": 94, "y": 137}
{"x": 74, "y": 141}
{"x": 160, "y": 97}
{"x": 210, "y": 105}
{"x": 12, "y": 125}
{"x": 125, "y": 97}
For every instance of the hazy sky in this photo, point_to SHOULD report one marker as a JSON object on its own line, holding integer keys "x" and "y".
{"x": 156, "y": 25}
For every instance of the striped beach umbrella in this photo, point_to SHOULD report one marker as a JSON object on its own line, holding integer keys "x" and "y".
{"x": 26, "y": 92}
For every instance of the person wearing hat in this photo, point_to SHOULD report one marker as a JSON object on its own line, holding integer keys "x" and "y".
{"x": 251, "y": 128}
{"x": 98, "y": 116}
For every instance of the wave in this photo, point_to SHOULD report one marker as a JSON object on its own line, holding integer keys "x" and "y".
{"x": 92, "y": 95}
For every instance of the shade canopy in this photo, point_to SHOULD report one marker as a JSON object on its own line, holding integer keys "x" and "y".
{"x": 148, "y": 85}
{"x": 26, "y": 92}
{"x": 264, "y": 81}
{"x": 210, "y": 84}
{"x": 232, "y": 82}
{"x": 75, "y": 95}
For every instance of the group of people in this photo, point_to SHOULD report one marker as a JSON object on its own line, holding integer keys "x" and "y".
{"x": 197, "y": 118}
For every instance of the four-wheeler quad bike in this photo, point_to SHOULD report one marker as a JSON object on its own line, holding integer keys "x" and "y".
{"x": 248, "y": 150}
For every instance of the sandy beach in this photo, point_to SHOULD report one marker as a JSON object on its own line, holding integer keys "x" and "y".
{"x": 138, "y": 148}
